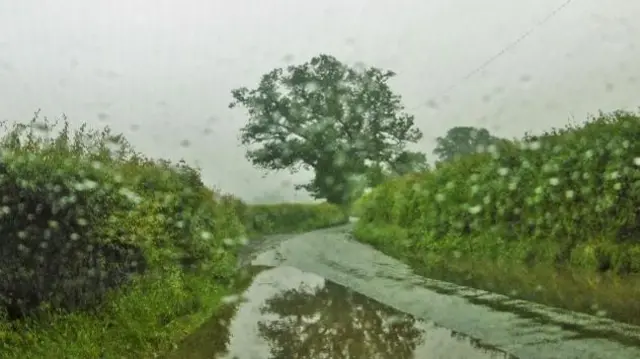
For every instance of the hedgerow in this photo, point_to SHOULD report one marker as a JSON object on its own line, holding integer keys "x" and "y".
{"x": 293, "y": 217}
{"x": 570, "y": 196}
{"x": 105, "y": 252}
{"x": 359, "y": 205}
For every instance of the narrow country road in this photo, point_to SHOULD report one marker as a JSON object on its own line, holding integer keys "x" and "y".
{"x": 323, "y": 295}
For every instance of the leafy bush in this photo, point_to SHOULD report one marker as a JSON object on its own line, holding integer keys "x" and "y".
{"x": 80, "y": 217}
{"x": 358, "y": 208}
{"x": 570, "y": 196}
{"x": 293, "y": 217}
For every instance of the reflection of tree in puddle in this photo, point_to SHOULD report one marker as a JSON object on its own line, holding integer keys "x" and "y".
{"x": 333, "y": 322}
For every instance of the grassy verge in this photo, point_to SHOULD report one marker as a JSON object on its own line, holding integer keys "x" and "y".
{"x": 212, "y": 338}
{"x": 553, "y": 218}
{"x": 142, "y": 321}
{"x": 107, "y": 253}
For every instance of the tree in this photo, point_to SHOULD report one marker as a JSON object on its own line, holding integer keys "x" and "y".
{"x": 409, "y": 161}
{"x": 462, "y": 140}
{"x": 327, "y": 117}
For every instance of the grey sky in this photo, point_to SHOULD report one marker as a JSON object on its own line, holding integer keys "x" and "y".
{"x": 167, "y": 66}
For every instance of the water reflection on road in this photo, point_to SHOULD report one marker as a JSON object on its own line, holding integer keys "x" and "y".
{"x": 290, "y": 314}
{"x": 297, "y": 305}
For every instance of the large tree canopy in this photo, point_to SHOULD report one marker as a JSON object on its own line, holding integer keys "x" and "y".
{"x": 328, "y": 117}
{"x": 462, "y": 140}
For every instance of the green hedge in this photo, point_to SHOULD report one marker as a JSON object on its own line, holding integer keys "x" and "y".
{"x": 107, "y": 253}
{"x": 292, "y": 217}
{"x": 570, "y": 197}
{"x": 358, "y": 206}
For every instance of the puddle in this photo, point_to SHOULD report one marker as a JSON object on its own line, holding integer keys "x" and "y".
{"x": 287, "y": 313}
{"x": 297, "y": 305}
{"x": 526, "y": 330}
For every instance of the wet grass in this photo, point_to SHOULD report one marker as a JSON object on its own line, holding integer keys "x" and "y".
{"x": 211, "y": 339}
{"x": 208, "y": 341}
{"x": 142, "y": 321}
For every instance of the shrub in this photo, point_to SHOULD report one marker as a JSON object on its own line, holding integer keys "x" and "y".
{"x": 292, "y": 217}
{"x": 358, "y": 208}
{"x": 568, "y": 196}
{"x": 82, "y": 215}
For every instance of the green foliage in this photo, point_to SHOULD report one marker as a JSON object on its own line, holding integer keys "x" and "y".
{"x": 293, "y": 217}
{"x": 95, "y": 233}
{"x": 326, "y": 116}
{"x": 409, "y": 162}
{"x": 462, "y": 140}
{"x": 358, "y": 208}
{"x": 569, "y": 196}
{"x": 143, "y": 320}
{"x": 107, "y": 253}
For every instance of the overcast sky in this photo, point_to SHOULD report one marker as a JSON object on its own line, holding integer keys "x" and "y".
{"x": 161, "y": 71}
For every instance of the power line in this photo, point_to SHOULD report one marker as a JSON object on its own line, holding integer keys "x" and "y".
{"x": 505, "y": 49}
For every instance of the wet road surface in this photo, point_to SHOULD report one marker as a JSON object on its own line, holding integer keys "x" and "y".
{"x": 299, "y": 315}
{"x": 323, "y": 295}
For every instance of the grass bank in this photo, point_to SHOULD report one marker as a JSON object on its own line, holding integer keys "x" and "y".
{"x": 526, "y": 216}
{"x": 107, "y": 253}
{"x": 212, "y": 338}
